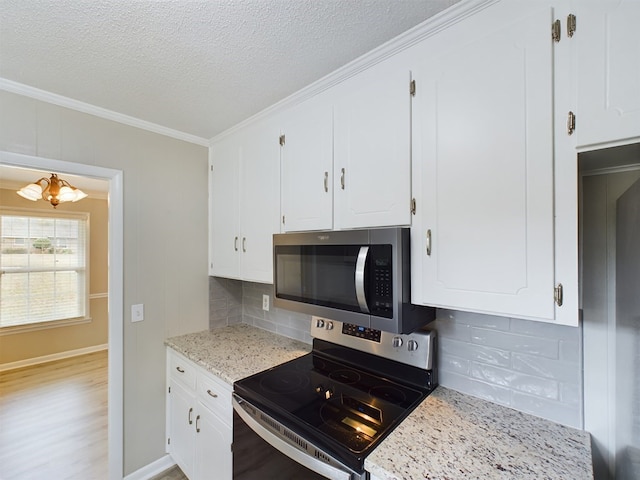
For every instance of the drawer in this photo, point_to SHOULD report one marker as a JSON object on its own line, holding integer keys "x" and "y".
{"x": 215, "y": 394}
{"x": 181, "y": 369}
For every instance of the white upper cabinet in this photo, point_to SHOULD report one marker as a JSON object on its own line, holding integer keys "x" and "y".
{"x": 245, "y": 203}
{"x": 307, "y": 166}
{"x": 483, "y": 236}
{"x": 372, "y": 157}
{"x": 607, "y": 42}
{"x": 224, "y": 207}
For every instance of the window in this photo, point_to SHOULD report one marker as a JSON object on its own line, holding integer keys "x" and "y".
{"x": 43, "y": 267}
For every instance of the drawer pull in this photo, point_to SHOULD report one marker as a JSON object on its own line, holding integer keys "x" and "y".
{"x": 212, "y": 394}
{"x": 180, "y": 369}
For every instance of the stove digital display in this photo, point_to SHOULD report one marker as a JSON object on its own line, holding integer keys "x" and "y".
{"x": 361, "y": 332}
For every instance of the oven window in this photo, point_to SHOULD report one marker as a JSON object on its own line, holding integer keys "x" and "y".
{"x": 318, "y": 274}
{"x": 254, "y": 458}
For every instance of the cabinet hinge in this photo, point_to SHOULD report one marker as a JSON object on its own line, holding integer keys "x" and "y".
{"x": 412, "y": 88}
{"x": 557, "y": 294}
{"x": 281, "y": 140}
{"x": 571, "y": 25}
{"x": 556, "y": 31}
{"x": 413, "y": 206}
{"x": 571, "y": 123}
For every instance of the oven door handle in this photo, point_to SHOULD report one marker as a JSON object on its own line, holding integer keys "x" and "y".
{"x": 361, "y": 264}
{"x": 290, "y": 451}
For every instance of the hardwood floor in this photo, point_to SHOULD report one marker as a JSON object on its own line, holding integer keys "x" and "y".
{"x": 172, "y": 474}
{"x": 53, "y": 420}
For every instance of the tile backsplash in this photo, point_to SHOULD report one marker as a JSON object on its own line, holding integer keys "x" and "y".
{"x": 530, "y": 366}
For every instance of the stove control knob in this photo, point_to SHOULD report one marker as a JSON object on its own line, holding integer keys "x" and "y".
{"x": 329, "y": 326}
{"x": 319, "y": 323}
{"x": 397, "y": 342}
{"x": 412, "y": 345}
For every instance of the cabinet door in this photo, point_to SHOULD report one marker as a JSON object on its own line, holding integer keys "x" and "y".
{"x": 213, "y": 447}
{"x": 260, "y": 200}
{"x": 307, "y": 166}
{"x": 372, "y": 163}
{"x": 224, "y": 198}
{"x": 608, "y": 71}
{"x": 483, "y": 151}
{"x": 181, "y": 427}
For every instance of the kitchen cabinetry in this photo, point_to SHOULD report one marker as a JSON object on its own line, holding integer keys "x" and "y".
{"x": 372, "y": 156}
{"x": 346, "y": 154}
{"x": 199, "y": 420}
{"x": 244, "y": 203}
{"x": 607, "y": 42}
{"x": 483, "y": 172}
{"x": 307, "y": 166}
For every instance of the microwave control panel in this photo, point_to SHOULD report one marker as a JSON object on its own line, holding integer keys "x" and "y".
{"x": 381, "y": 291}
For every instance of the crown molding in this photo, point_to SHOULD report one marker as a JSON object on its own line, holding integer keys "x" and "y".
{"x": 62, "y": 101}
{"x": 420, "y": 32}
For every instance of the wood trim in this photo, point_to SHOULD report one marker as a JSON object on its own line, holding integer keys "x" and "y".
{"x": 52, "y": 358}
{"x": 152, "y": 469}
{"x": 55, "y": 99}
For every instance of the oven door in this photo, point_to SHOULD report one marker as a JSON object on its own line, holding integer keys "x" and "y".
{"x": 264, "y": 448}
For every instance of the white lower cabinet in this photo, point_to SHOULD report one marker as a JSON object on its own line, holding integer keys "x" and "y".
{"x": 199, "y": 420}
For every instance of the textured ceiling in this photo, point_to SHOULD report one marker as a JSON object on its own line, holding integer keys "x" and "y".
{"x": 197, "y": 67}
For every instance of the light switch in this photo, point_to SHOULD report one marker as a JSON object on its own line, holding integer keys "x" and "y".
{"x": 137, "y": 312}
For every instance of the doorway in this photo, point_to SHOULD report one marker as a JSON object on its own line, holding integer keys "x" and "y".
{"x": 610, "y": 197}
{"x": 115, "y": 288}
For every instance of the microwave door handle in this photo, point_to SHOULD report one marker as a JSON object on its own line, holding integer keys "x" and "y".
{"x": 360, "y": 272}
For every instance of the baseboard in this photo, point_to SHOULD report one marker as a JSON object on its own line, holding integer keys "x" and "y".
{"x": 152, "y": 469}
{"x": 52, "y": 358}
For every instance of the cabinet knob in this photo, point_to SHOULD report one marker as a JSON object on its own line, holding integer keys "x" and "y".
{"x": 189, "y": 417}
{"x": 244, "y": 244}
{"x": 212, "y": 394}
{"x": 235, "y": 244}
{"x": 326, "y": 181}
{"x": 342, "y": 178}
{"x": 180, "y": 369}
{"x": 198, "y": 424}
{"x": 397, "y": 342}
{"x": 412, "y": 345}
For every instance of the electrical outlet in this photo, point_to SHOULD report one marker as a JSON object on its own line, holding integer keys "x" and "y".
{"x": 137, "y": 312}
{"x": 265, "y": 302}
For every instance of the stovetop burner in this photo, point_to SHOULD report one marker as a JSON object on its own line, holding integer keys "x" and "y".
{"x": 341, "y": 405}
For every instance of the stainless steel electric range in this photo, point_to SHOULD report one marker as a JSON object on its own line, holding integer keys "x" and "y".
{"x": 320, "y": 415}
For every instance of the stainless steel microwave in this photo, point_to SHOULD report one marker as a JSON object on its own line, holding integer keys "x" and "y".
{"x": 361, "y": 277}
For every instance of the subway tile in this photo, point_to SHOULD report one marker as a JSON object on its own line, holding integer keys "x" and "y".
{"x": 291, "y": 333}
{"x": 508, "y": 378}
{"x": 544, "y": 330}
{"x": 486, "y": 391}
{"x": 545, "y": 367}
{"x": 450, "y": 329}
{"x": 570, "y": 351}
{"x": 480, "y": 353}
{"x": 265, "y": 325}
{"x": 555, "y": 411}
{"x": 493, "y": 322}
{"x": 571, "y": 394}
{"x": 453, "y": 364}
{"x": 544, "y": 347}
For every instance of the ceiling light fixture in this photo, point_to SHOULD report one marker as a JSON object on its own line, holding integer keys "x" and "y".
{"x": 54, "y": 190}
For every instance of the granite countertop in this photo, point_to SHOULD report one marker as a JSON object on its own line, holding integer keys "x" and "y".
{"x": 451, "y": 435}
{"x": 237, "y": 351}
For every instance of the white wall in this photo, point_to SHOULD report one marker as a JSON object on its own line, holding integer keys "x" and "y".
{"x": 165, "y": 241}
